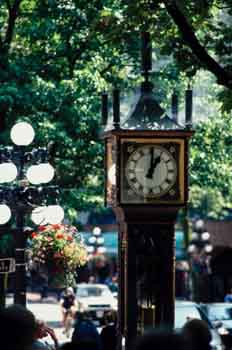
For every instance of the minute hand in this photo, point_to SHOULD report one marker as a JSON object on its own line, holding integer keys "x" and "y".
{"x": 153, "y": 167}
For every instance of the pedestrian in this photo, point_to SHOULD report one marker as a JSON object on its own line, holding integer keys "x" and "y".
{"x": 43, "y": 278}
{"x": 109, "y": 332}
{"x": 198, "y": 334}
{"x": 68, "y": 305}
{"x": 17, "y": 327}
{"x": 85, "y": 334}
{"x": 228, "y": 296}
{"x": 43, "y": 331}
{"x": 160, "y": 339}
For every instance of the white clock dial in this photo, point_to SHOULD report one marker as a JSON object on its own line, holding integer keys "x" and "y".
{"x": 151, "y": 171}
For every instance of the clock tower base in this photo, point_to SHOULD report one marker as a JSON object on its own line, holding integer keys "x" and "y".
{"x": 146, "y": 269}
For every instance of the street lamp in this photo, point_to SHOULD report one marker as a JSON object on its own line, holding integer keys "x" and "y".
{"x": 200, "y": 249}
{"x": 200, "y": 239}
{"x": 96, "y": 242}
{"x": 26, "y": 171}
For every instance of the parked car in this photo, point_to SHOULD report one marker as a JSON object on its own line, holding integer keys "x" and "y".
{"x": 185, "y": 310}
{"x": 220, "y": 314}
{"x": 95, "y": 300}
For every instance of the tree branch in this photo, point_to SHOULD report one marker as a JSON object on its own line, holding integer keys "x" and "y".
{"x": 223, "y": 76}
{"x": 13, "y": 12}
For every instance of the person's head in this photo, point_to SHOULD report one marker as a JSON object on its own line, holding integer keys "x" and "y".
{"x": 41, "y": 330}
{"x": 111, "y": 317}
{"x": 160, "y": 339}
{"x": 17, "y": 326}
{"x": 92, "y": 279}
{"x": 198, "y": 334}
{"x": 69, "y": 291}
{"x": 115, "y": 279}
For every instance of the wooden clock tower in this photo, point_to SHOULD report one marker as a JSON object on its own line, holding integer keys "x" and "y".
{"x": 146, "y": 184}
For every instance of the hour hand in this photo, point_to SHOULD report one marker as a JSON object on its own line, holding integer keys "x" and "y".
{"x": 150, "y": 170}
{"x": 153, "y": 165}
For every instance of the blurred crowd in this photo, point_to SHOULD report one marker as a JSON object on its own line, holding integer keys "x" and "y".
{"x": 20, "y": 330}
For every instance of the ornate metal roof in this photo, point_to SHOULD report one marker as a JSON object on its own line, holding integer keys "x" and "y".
{"x": 148, "y": 115}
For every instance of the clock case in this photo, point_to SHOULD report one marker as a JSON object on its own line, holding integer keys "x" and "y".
{"x": 117, "y": 150}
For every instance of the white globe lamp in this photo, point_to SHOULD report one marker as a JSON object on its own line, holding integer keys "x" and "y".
{"x": 90, "y": 249}
{"x": 101, "y": 250}
{"x": 38, "y": 215}
{"x": 194, "y": 235}
{"x": 96, "y": 231}
{"x": 8, "y": 172}
{"x": 5, "y": 214}
{"x": 54, "y": 214}
{"x": 205, "y": 236}
{"x": 100, "y": 240}
{"x": 32, "y": 175}
{"x": 22, "y": 134}
{"x": 208, "y": 248}
{"x": 191, "y": 248}
{"x": 92, "y": 240}
{"x": 41, "y": 173}
{"x": 46, "y": 172}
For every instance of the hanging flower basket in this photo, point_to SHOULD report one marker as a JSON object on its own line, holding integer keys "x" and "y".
{"x": 58, "y": 250}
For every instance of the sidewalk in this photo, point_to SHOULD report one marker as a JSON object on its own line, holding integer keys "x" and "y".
{"x": 34, "y": 297}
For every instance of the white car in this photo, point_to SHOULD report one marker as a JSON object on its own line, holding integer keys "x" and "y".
{"x": 95, "y": 300}
{"x": 185, "y": 310}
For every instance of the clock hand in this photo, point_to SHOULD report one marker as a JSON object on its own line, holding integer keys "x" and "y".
{"x": 153, "y": 166}
{"x": 150, "y": 171}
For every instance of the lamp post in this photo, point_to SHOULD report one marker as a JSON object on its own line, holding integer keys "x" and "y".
{"x": 26, "y": 171}
{"x": 200, "y": 249}
{"x": 96, "y": 252}
{"x": 96, "y": 242}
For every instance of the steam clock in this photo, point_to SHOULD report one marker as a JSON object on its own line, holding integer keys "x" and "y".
{"x": 146, "y": 184}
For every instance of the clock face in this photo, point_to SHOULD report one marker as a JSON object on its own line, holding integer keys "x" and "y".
{"x": 151, "y": 171}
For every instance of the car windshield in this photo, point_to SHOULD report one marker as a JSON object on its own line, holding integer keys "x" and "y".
{"x": 92, "y": 292}
{"x": 220, "y": 313}
{"x": 185, "y": 313}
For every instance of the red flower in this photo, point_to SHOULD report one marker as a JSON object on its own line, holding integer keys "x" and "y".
{"x": 56, "y": 226}
{"x": 59, "y": 235}
{"x": 69, "y": 238}
{"x": 34, "y": 235}
{"x": 41, "y": 228}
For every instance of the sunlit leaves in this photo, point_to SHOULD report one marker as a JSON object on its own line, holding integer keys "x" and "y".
{"x": 211, "y": 167}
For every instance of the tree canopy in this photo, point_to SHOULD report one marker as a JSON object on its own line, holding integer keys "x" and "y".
{"x": 56, "y": 56}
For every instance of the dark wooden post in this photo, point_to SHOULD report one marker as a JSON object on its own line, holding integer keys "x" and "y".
{"x": 147, "y": 242}
{"x": 20, "y": 263}
{"x": 2, "y": 290}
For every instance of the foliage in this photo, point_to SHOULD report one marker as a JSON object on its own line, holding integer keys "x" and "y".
{"x": 59, "y": 248}
{"x": 6, "y": 245}
{"x": 210, "y": 168}
{"x": 58, "y": 55}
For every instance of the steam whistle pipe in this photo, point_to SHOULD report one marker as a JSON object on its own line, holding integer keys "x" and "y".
{"x": 188, "y": 107}
{"x": 104, "y": 109}
{"x": 175, "y": 107}
{"x": 116, "y": 108}
{"x": 146, "y": 53}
